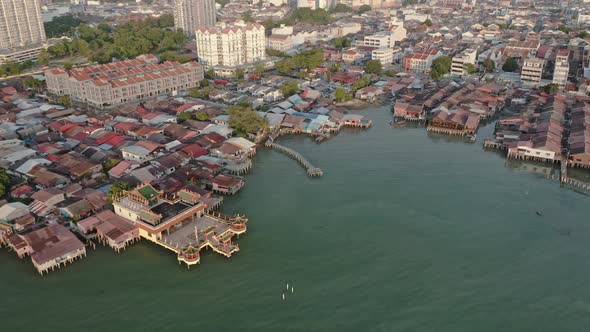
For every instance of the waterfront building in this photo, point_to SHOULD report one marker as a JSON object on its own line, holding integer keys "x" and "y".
{"x": 231, "y": 45}
{"x": 189, "y": 15}
{"x": 562, "y": 67}
{"x": 579, "y": 138}
{"x": 468, "y": 56}
{"x": 121, "y": 82}
{"x": 456, "y": 123}
{"x": 532, "y": 71}
{"x": 111, "y": 229}
{"x": 179, "y": 222}
{"x": 49, "y": 247}
{"x": 22, "y": 35}
{"x": 541, "y": 134}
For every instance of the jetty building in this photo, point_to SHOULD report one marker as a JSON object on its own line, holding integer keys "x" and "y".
{"x": 49, "y": 247}
{"x": 179, "y": 222}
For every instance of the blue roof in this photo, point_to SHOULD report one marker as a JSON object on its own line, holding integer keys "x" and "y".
{"x": 105, "y": 188}
{"x": 105, "y": 147}
{"x": 306, "y": 115}
{"x": 321, "y": 110}
{"x": 295, "y": 99}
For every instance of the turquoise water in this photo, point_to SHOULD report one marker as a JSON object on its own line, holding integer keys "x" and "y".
{"x": 405, "y": 232}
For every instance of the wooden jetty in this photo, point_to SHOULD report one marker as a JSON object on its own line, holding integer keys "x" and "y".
{"x": 311, "y": 170}
{"x": 572, "y": 183}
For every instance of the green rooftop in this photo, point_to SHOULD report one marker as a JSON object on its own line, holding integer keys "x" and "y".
{"x": 147, "y": 192}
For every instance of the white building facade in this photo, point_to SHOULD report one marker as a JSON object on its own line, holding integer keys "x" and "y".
{"x": 231, "y": 45}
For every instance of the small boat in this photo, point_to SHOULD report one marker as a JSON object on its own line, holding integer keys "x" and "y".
{"x": 283, "y": 296}
{"x": 287, "y": 286}
{"x": 292, "y": 289}
{"x": 472, "y": 138}
{"x": 539, "y": 213}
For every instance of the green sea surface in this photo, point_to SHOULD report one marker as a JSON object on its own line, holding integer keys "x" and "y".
{"x": 404, "y": 232}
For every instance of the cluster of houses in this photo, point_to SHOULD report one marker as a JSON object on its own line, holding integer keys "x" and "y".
{"x": 552, "y": 129}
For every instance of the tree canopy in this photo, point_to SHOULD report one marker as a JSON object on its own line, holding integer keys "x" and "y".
{"x": 489, "y": 65}
{"x": 244, "y": 120}
{"x": 373, "y": 67}
{"x": 308, "y": 59}
{"x": 32, "y": 83}
{"x": 471, "y": 68}
{"x": 340, "y": 95}
{"x": 61, "y": 26}
{"x": 341, "y": 8}
{"x": 126, "y": 41}
{"x": 440, "y": 67}
{"x": 428, "y": 22}
{"x": 342, "y": 42}
{"x": 289, "y": 88}
{"x": 550, "y": 88}
{"x": 511, "y": 65}
{"x": 364, "y": 8}
{"x": 117, "y": 189}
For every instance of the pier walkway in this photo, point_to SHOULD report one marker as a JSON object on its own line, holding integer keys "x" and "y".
{"x": 311, "y": 170}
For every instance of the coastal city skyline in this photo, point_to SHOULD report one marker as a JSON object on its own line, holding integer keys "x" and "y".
{"x": 289, "y": 150}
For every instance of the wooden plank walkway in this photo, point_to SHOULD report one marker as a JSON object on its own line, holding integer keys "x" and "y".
{"x": 311, "y": 170}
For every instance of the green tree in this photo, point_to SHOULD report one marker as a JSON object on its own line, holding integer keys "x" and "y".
{"x": 489, "y": 65}
{"x": 204, "y": 83}
{"x": 68, "y": 65}
{"x": 373, "y": 67}
{"x": 360, "y": 83}
{"x": 341, "y": 8}
{"x": 61, "y": 26}
{"x": 247, "y": 17}
{"x": 364, "y": 8}
{"x": 390, "y": 73}
{"x": 32, "y": 83}
{"x": 118, "y": 188}
{"x": 511, "y": 65}
{"x": 240, "y": 73}
{"x": 166, "y": 21}
{"x": 471, "y": 68}
{"x": 43, "y": 58}
{"x": 274, "y": 53}
{"x": 550, "y": 88}
{"x": 302, "y": 74}
{"x": 108, "y": 164}
{"x": 583, "y": 34}
{"x": 428, "y": 22}
{"x": 65, "y": 101}
{"x": 210, "y": 74}
{"x": 202, "y": 116}
{"x": 440, "y": 67}
{"x": 342, "y": 42}
{"x": 340, "y": 95}
{"x": 183, "y": 116}
{"x": 244, "y": 120}
{"x": 289, "y": 88}
{"x": 565, "y": 29}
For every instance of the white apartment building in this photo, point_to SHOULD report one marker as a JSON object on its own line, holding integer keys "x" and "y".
{"x": 384, "y": 55}
{"x": 468, "y": 56}
{"x": 562, "y": 67}
{"x": 375, "y": 4}
{"x": 231, "y": 45}
{"x": 532, "y": 71}
{"x": 189, "y": 15}
{"x": 22, "y": 35}
{"x": 395, "y": 33}
{"x": 120, "y": 82}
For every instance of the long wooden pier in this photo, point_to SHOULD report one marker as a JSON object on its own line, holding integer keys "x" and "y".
{"x": 311, "y": 170}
